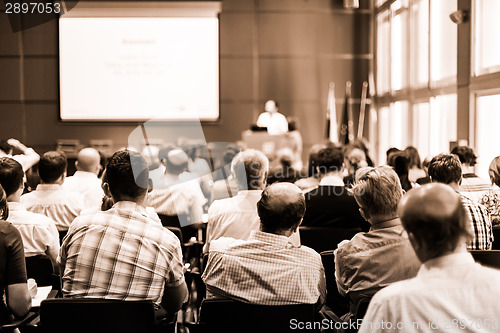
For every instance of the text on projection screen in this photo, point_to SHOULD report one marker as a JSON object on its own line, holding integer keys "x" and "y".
{"x": 139, "y": 68}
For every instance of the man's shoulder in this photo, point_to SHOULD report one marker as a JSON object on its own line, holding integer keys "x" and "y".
{"x": 30, "y": 218}
{"x": 225, "y": 244}
{"x": 398, "y": 291}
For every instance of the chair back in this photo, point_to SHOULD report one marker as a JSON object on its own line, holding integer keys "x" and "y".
{"x": 222, "y": 315}
{"x": 58, "y": 315}
{"x": 323, "y": 238}
{"x": 337, "y": 303}
{"x": 496, "y": 236}
{"x": 487, "y": 257}
{"x": 40, "y": 268}
{"x": 177, "y": 232}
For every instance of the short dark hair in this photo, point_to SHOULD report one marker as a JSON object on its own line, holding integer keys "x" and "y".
{"x": 11, "y": 175}
{"x": 330, "y": 159}
{"x": 127, "y": 174}
{"x": 445, "y": 168}
{"x": 4, "y": 209}
{"x": 5, "y": 146}
{"x": 276, "y": 218}
{"x": 52, "y": 165}
{"x": 439, "y": 234}
{"x": 465, "y": 154}
{"x": 412, "y": 153}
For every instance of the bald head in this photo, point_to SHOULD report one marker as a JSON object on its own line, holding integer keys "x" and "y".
{"x": 281, "y": 208}
{"x": 435, "y": 219}
{"x": 88, "y": 159}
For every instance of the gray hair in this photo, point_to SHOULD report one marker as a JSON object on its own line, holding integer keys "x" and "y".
{"x": 249, "y": 168}
{"x": 377, "y": 190}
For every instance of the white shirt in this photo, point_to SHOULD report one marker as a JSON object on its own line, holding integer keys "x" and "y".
{"x": 39, "y": 233}
{"x": 88, "y": 185}
{"x": 275, "y": 122}
{"x": 447, "y": 291}
{"x": 236, "y": 217}
{"x": 53, "y": 201}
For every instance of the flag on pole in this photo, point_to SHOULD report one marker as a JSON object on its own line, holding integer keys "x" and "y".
{"x": 331, "y": 115}
{"x": 346, "y": 133}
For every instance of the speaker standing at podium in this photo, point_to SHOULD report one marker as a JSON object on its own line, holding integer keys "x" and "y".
{"x": 275, "y": 122}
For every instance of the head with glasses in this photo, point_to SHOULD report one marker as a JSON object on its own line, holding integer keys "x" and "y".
{"x": 377, "y": 192}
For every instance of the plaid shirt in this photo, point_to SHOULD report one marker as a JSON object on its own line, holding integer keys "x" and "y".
{"x": 480, "y": 225}
{"x": 120, "y": 254}
{"x": 265, "y": 269}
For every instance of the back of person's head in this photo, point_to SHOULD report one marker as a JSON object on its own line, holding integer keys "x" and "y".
{"x": 312, "y": 163}
{"x": 5, "y": 146}
{"x": 445, "y": 168}
{"x": 377, "y": 191}
{"x": 11, "y": 175}
{"x": 177, "y": 162}
{"x": 494, "y": 171}
{"x": 412, "y": 153}
{"x": 127, "y": 175}
{"x": 286, "y": 157}
{"x": 400, "y": 162}
{"x": 52, "y": 166}
{"x": 88, "y": 159}
{"x": 4, "y": 210}
{"x": 229, "y": 153}
{"x": 281, "y": 207}
{"x": 435, "y": 220}
{"x": 330, "y": 160}
{"x": 389, "y": 152}
{"x": 250, "y": 168}
{"x": 465, "y": 154}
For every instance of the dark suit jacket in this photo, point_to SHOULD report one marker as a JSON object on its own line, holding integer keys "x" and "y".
{"x": 332, "y": 206}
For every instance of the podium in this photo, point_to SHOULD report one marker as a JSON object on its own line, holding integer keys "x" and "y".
{"x": 268, "y": 144}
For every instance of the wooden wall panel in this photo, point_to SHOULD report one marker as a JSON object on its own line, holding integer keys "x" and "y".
{"x": 9, "y": 81}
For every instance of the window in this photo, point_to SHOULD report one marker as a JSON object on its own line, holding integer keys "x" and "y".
{"x": 487, "y": 132}
{"x": 392, "y": 129}
{"x": 421, "y": 116}
{"x": 399, "y": 63}
{"x": 486, "y": 51}
{"x": 443, "y": 39}
{"x": 383, "y": 55}
{"x": 442, "y": 123}
{"x": 419, "y": 43}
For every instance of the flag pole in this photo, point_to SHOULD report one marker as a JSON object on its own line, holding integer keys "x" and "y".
{"x": 331, "y": 115}
{"x": 362, "y": 110}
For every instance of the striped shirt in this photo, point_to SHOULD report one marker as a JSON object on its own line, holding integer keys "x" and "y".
{"x": 480, "y": 225}
{"x": 55, "y": 202}
{"x": 120, "y": 254}
{"x": 265, "y": 270}
{"x": 474, "y": 187}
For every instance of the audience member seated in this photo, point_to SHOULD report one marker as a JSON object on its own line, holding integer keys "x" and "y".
{"x": 472, "y": 186}
{"x": 295, "y": 142}
{"x": 415, "y": 167}
{"x": 285, "y": 173}
{"x": 355, "y": 159}
{"x": 363, "y": 145}
{"x": 400, "y": 162}
{"x": 121, "y": 253}
{"x": 182, "y": 196}
{"x": 39, "y": 233}
{"x": 15, "y": 298}
{"x": 237, "y": 217}
{"x": 85, "y": 180}
{"x": 156, "y": 168}
{"x": 447, "y": 169}
{"x": 491, "y": 200}
{"x": 226, "y": 186}
{"x": 331, "y": 204}
{"x": 450, "y": 289}
{"x": 266, "y": 269}
{"x": 372, "y": 260}
{"x": 425, "y": 167}
{"x": 50, "y": 198}
{"x": 28, "y": 158}
{"x": 313, "y": 177}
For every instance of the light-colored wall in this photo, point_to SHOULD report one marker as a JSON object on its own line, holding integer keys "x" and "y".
{"x": 288, "y": 50}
